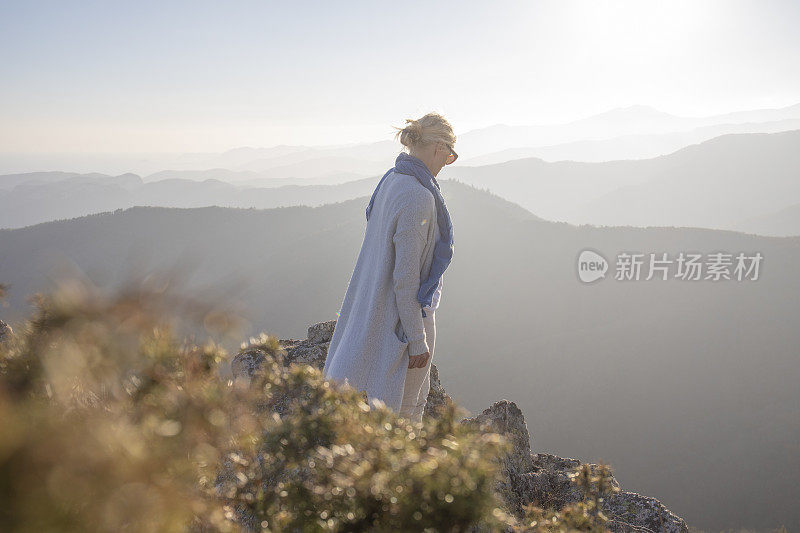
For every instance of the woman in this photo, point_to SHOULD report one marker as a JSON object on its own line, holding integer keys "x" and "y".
{"x": 384, "y": 337}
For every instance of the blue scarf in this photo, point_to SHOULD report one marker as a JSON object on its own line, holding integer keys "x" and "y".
{"x": 443, "y": 250}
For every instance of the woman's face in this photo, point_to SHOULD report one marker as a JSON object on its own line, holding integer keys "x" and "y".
{"x": 442, "y": 154}
{"x": 434, "y": 156}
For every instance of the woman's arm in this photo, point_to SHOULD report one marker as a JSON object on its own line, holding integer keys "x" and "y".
{"x": 409, "y": 240}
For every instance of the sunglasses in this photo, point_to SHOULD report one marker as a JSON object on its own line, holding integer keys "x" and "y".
{"x": 452, "y": 156}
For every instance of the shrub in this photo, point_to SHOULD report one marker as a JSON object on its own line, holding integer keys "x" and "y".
{"x": 332, "y": 461}
{"x": 111, "y": 423}
{"x": 586, "y": 515}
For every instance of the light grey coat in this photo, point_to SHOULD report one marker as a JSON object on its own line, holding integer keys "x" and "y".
{"x": 380, "y": 321}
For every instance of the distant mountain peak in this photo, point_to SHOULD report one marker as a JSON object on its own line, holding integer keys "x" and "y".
{"x": 637, "y": 111}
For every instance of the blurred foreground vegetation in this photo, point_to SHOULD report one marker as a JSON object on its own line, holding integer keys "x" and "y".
{"x": 112, "y": 421}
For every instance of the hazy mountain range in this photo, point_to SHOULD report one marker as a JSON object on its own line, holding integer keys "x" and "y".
{"x": 783, "y": 223}
{"x": 688, "y": 388}
{"x": 53, "y": 196}
{"x": 626, "y": 121}
{"x": 738, "y": 182}
{"x": 629, "y": 146}
{"x": 721, "y": 183}
{"x": 633, "y": 132}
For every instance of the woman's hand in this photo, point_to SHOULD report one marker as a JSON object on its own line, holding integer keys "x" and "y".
{"x": 418, "y": 361}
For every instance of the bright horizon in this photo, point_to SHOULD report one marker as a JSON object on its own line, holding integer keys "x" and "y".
{"x": 201, "y": 77}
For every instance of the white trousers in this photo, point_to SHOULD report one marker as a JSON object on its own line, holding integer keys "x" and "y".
{"x": 418, "y": 380}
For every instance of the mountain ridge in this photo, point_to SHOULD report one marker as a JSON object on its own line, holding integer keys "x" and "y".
{"x": 589, "y": 364}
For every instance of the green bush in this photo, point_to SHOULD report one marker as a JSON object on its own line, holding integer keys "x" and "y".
{"x": 586, "y": 515}
{"x": 343, "y": 464}
{"x": 111, "y": 423}
{"x": 108, "y": 423}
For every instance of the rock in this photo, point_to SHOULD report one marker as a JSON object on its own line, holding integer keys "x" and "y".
{"x": 631, "y": 512}
{"x": 313, "y": 351}
{"x": 538, "y": 478}
{"x": 542, "y": 479}
{"x": 505, "y": 418}
{"x": 322, "y": 332}
{"x": 246, "y": 362}
{"x": 437, "y": 397}
{"x": 5, "y": 331}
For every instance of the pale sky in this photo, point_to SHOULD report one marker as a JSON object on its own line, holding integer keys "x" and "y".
{"x": 197, "y": 76}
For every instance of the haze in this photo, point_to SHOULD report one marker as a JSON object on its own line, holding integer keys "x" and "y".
{"x": 240, "y": 143}
{"x": 150, "y": 76}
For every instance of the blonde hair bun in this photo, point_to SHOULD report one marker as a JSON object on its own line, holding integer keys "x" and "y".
{"x": 432, "y": 127}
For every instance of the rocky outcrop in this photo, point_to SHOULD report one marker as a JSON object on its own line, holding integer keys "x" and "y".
{"x": 5, "y": 331}
{"x": 313, "y": 351}
{"x": 542, "y": 479}
{"x": 538, "y": 478}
